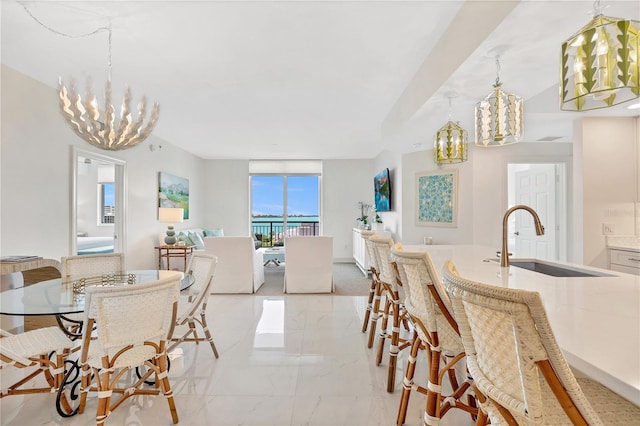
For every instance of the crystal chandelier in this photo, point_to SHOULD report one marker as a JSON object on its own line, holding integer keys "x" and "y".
{"x": 101, "y": 128}
{"x": 499, "y": 117}
{"x": 600, "y": 64}
{"x": 450, "y": 143}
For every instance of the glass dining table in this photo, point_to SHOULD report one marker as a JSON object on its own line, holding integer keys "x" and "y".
{"x": 63, "y": 296}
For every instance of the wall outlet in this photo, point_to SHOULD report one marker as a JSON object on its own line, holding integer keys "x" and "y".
{"x": 608, "y": 229}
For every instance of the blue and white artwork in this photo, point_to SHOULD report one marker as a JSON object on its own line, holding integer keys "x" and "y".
{"x": 436, "y": 198}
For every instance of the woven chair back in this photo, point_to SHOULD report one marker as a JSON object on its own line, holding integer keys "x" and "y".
{"x": 427, "y": 299}
{"x": 509, "y": 342}
{"x": 202, "y": 268}
{"x": 92, "y": 264}
{"x": 382, "y": 246}
{"x": 371, "y": 251}
{"x": 132, "y": 314}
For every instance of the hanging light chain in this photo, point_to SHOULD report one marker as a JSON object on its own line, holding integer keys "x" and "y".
{"x": 497, "y": 71}
{"x": 109, "y": 60}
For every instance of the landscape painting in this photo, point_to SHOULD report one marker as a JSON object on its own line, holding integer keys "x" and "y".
{"x": 437, "y": 198}
{"x": 173, "y": 191}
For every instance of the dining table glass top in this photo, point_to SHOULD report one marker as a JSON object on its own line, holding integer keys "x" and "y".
{"x": 66, "y": 296}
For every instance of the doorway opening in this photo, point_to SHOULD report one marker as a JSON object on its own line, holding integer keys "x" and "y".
{"x": 541, "y": 186}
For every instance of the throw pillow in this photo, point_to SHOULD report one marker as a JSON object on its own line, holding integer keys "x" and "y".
{"x": 185, "y": 237}
{"x": 215, "y": 232}
{"x": 197, "y": 240}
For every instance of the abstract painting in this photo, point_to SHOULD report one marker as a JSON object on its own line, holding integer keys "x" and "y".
{"x": 173, "y": 191}
{"x": 437, "y": 198}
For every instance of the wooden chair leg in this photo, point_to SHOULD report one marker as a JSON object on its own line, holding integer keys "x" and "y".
{"x": 433, "y": 389}
{"x": 104, "y": 396}
{"x": 375, "y": 314}
{"x": 367, "y": 314}
{"x": 393, "y": 347}
{"x": 383, "y": 330}
{"x": 166, "y": 387}
{"x": 407, "y": 384}
{"x": 207, "y": 333}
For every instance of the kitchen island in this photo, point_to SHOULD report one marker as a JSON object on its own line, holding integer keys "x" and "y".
{"x": 596, "y": 319}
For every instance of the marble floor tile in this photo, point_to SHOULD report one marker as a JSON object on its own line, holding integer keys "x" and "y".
{"x": 284, "y": 360}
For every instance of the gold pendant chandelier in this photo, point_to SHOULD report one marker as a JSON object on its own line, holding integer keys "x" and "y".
{"x": 101, "y": 128}
{"x": 450, "y": 143}
{"x": 600, "y": 64}
{"x": 499, "y": 117}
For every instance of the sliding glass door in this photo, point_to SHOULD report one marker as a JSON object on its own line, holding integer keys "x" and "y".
{"x": 284, "y": 205}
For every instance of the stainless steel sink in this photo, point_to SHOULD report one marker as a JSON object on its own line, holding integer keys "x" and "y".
{"x": 555, "y": 270}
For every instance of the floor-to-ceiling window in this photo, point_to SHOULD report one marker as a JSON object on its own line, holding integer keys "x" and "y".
{"x": 285, "y": 199}
{"x": 284, "y": 205}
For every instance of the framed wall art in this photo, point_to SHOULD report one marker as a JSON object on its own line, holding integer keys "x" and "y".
{"x": 437, "y": 198}
{"x": 173, "y": 191}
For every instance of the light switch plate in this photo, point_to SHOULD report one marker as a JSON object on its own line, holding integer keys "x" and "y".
{"x": 608, "y": 229}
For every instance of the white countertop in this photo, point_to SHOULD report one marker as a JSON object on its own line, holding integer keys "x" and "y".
{"x": 630, "y": 243}
{"x": 596, "y": 320}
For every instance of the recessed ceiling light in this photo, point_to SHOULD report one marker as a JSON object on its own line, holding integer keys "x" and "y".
{"x": 634, "y": 106}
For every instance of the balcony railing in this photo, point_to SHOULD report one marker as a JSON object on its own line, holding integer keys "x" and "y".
{"x": 273, "y": 233}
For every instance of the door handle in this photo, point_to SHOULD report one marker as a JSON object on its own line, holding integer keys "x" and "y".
{"x": 516, "y": 233}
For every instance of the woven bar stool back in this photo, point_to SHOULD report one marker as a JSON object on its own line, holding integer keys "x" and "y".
{"x": 518, "y": 369}
{"x": 372, "y": 313}
{"x": 437, "y": 331}
{"x": 394, "y": 307}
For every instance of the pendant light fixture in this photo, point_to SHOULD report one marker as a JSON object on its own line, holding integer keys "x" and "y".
{"x": 450, "y": 143}
{"x": 100, "y": 128}
{"x": 600, "y": 64}
{"x": 499, "y": 117}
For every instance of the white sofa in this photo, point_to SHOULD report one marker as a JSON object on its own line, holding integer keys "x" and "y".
{"x": 308, "y": 265}
{"x": 234, "y": 273}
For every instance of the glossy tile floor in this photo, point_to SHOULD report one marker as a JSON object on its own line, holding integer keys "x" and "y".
{"x": 284, "y": 360}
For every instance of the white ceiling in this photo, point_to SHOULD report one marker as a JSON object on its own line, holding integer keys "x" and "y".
{"x": 308, "y": 79}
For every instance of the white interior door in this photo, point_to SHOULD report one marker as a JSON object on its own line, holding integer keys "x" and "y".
{"x": 536, "y": 188}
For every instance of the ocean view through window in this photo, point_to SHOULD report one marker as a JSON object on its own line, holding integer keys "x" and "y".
{"x": 284, "y": 206}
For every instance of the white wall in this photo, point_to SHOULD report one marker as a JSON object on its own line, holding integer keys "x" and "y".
{"x": 35, "y": 177}
{"x": 226, "y": 196}
{"x": 412, "y": 233}
{"x": 482, "y": 192}
{"x": 392, "y": 220}
{"x": 344, "y": 183}
{"x": 607, "y": 151}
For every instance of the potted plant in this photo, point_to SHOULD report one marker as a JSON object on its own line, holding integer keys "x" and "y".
{"x": 363, "y": 220}
{"x": 377, "y": 225}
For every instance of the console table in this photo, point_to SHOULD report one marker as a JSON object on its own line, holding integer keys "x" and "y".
{"x": 360, "y": 253}
{"x": 167, "y": 252}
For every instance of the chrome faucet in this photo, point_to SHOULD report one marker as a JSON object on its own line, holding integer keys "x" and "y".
{"x": 504, "y": 257}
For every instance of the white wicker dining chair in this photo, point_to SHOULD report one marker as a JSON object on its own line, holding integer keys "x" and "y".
{"x": 35, "y": 349}
{"x": 193, "y": 301}
{"x": 520, "y": 374}
{"x": 394, "y": 306}
{"x": 86, "y": 265}
{"x": 375, "y": 292}
{"x": 133, "y": 324}
{"x": 436, "y": 331}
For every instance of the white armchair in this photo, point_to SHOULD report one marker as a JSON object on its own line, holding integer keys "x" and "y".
{"x": 308, "y": 265}
{"x": 240, "y": 268}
